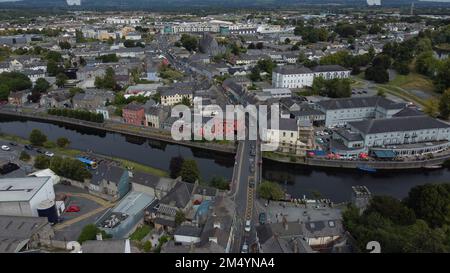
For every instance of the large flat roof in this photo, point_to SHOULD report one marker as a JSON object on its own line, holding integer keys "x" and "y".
{"x": 20, "y": 189}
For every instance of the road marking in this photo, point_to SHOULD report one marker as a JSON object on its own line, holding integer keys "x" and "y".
{"x": 81, "y": 217}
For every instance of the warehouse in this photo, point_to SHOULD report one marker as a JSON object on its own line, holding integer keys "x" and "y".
{"x": 23, "y": 196}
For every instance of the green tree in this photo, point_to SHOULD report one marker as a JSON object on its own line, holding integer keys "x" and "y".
{"x": 271, "y": 191}
{"x": 65, "y": 45}
{"x": 41, "y": 85}
{"x": 24, "y": 156}
{"x": 175, "y": 166}
{"x": 147, "y": 247}
{"x": 41, "y": 162}
{"x": 189, "y": 42}
{"x": 15, "y": 81}
{"x": 37, "y": 138}
{"x": 62, "y": 142}
{"x": 89, "y": 232}
{"x": 220, "y": 183}
{"x": 61, "y": 79}
{"x": 431, "y": 107}
{"x": 431, "y": 202}
{"x": 179, "y": 217}
{"x": 4, "y": 92}
{"x": 189, "y": 171}
{"x": 444, "y": 104}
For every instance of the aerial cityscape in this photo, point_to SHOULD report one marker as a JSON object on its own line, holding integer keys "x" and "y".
{"x": 272, "y": 127}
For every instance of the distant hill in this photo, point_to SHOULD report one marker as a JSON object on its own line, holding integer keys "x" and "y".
{"x": 180, "y": 4}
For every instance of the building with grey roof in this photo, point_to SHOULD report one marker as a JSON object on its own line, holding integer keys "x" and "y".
{"x": 106, "y": 246}
{"x": 344, "y": 110}
{"x": 414, "y": 135}
{"x": 109, "y": 181}
{"x": 22, "y": 233}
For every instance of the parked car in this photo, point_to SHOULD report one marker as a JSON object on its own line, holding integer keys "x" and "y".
{"x": 49, "y": 154}
{"x": 248, "y": 226}
{"x": 244, "y": 248}
{"x": 28, "y": 147}
{"x": 252, "y": 182}
{"x": 5, "y": 148}
{"x": 73, "y": 208}
{"x": 13, "y": 144}
{"x": 262, "y": 218}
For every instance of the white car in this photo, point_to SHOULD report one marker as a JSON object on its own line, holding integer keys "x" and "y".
{"x": 244, "y": 248}
{"x": 247, "y": 226}
{"x": 5, "y": 148}
{"x": 49, "y": 154}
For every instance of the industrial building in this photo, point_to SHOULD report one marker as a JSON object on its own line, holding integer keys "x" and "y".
{"x": 25, "y": 196}
{"x": 121, "y": 220}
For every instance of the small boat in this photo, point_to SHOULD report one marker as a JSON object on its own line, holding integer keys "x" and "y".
{"x": 366, "y": 169}
{"x": 433, "y": 167}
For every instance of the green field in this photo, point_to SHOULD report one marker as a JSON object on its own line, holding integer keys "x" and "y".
{"x": 413, "y": 81}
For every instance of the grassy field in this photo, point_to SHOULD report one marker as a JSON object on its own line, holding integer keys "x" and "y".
{"x": 413, "y": 81}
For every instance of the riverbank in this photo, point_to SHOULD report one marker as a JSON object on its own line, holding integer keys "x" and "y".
{"x": 69, "y": 152}
{"x": 437, "y": 160}
{"x": 126, "y": 129}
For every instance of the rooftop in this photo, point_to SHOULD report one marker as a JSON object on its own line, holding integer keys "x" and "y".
{"x": 400, "y": 124}
{"x": 20, "y": 189}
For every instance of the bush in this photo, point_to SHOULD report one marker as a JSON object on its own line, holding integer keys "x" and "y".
{"x": 41, "y": 162}
{"x": 270, "y": 190}
{"x": 24, "y": 156}
{"x": 220, "y": 183}
{"x": 147, "y": 247}
{"x": 37, "y": 138}
{"x": 90, "y": 232}
{"x": 62, "y": 142}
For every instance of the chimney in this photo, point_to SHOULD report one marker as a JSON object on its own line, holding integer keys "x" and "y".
{"x": 99, "y": 237}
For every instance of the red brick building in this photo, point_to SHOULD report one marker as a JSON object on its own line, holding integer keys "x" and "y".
{"x": 134, "y": 114}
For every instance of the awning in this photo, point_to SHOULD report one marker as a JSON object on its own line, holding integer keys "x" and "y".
{"x": 384, "y": 154}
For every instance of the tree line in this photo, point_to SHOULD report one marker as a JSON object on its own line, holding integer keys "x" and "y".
{"x": 77, "y": 114}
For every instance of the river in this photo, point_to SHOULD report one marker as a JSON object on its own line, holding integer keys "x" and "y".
{"x": 296, "y": 179}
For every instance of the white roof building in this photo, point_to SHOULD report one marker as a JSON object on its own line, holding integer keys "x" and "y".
{"x": 23, "y": 196}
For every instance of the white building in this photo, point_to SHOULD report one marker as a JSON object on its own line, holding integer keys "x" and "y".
{"x": 300, "y": 76}
{"x": 22, "y": 196}
{"x": 344, "y": 110}
{"x": 411, "y": 135}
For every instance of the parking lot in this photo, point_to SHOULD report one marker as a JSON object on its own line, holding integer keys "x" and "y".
{"x": 73, "y": 222}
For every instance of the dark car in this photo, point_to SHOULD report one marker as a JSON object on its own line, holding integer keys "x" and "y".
{"x": 40, "y": 151}
{"x": 262, "y": 218}
{"x": 252, "y": 182}
{"x": 13, "y": 144}
{"x": 28, "y": 147}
